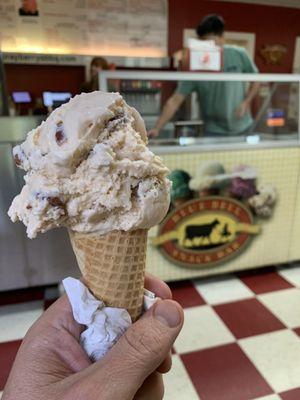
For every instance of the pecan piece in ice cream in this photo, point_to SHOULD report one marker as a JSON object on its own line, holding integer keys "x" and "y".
{"x": 56, "y": 202}
{"x": 18, "y": 162}
{"x": 60, "y": 136}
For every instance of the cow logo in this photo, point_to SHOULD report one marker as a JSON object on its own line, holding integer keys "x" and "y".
{"x": 213, "y": 214}
{"x": 206, "y": 231}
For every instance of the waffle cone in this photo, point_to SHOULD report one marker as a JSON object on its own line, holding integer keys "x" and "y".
{"x": 113, "y": 267}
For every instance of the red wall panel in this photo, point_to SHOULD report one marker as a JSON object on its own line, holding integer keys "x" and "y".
{"x": 272, "y": 25}
{"x": 39, "y": 78}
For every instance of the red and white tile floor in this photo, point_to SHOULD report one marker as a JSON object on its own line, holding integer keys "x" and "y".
{"x": 240, "y": 340}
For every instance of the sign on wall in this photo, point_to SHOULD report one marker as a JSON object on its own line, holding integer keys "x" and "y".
{"x": 213, "y": 215}
{"x": 87, "y": 27}
{"x": 242, "y": 39}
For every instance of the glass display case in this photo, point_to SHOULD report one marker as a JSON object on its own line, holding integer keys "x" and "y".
{"x": 273, "y": 113}
{"x": 142, "y": 94}
{"x": 235, "y": 198}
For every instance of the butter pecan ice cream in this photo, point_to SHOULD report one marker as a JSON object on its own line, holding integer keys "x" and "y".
{"x": 88, "y": 168}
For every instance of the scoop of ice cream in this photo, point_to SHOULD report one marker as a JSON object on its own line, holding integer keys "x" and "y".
{"x": 89, "y": 169}
{"x": 243, "y": 182}
{"x": 243, "y": 188}
{"x": 209, "y": 175}
{"x": 263, "y": 202}
{"x": 180, "y": 185}
{"x": 244, "y": 171}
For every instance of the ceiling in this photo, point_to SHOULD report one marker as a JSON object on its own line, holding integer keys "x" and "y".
{"x": 280, "y": 3}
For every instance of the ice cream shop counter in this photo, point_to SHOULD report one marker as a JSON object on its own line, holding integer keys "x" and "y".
{"x": 235, "y": 199}
{"x": 235, "y": 205}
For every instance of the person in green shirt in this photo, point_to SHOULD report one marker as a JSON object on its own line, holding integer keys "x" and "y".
{"x": 225, "y": 106}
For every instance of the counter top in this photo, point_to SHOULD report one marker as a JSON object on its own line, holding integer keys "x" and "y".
{"x": 14, "y": 129}
{"x": 230, "y": 143}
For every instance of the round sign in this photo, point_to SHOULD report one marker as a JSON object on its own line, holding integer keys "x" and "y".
{"x": 206, "y": 231}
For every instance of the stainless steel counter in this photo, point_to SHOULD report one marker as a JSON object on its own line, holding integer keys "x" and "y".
{"x": 14, "y": 129}
{"x": 23, "y": 262}
{"x": 230, "y": 143}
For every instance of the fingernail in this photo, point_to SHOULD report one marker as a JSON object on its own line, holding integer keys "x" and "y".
{"x": 167, "y": 313}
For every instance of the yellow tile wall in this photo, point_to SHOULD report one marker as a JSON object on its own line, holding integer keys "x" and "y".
{"x": 295, "y": 237}
{"x": 278, "y": 241}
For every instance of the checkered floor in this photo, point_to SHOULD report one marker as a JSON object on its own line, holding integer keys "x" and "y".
{"x": 240, "y": 340}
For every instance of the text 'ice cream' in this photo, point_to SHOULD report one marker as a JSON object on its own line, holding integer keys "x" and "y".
{"x": 89, "y": 169}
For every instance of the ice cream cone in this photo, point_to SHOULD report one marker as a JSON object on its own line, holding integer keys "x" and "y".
{"x": 113, "y": 267}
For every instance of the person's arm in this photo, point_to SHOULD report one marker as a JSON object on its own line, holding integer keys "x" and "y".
{"x": 245, "y": 105}
{"x": 248, "y": 66}
{"x": 171, "y": 106}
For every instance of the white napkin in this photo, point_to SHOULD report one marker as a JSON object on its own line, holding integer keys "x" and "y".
{"x": 105, "y": 325}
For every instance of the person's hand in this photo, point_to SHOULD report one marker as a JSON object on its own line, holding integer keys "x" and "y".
{"x": 52, "y": 365}
{"x": 153, "y": 132}
{"x": 242, "y": 109}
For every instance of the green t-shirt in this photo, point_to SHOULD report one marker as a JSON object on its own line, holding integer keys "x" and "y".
{"x": 219, "y": 100}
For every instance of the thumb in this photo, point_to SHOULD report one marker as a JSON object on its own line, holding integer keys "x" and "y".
{"x": 148, "y": 342}
{"x": 139, "y": 351}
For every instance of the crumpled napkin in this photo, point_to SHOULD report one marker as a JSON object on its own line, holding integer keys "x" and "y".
{"x": 105, "y": 325}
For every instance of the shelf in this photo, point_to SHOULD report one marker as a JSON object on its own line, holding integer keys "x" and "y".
{"x": 141, "y": 91}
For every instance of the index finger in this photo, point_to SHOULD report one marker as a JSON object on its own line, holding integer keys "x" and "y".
{"x": 157, "y": 286}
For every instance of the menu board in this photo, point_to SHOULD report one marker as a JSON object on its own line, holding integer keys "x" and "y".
{"x": 87, "y": 27}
